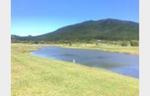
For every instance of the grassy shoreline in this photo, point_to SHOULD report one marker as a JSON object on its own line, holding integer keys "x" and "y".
{"x": 35, "y": 76}
{"x": 102, "y": 47}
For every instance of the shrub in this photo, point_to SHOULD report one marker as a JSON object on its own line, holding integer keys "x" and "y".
{"x": 35, "y": 42}
{"x": 125, "y": 43}
{"x": 134, "y": 43}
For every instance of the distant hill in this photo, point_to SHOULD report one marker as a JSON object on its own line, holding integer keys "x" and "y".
{"x": 105, "y": 29}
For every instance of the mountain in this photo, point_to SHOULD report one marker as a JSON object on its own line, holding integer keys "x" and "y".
{"x": 105, "y": 29}
{"x": 16, "y": 38}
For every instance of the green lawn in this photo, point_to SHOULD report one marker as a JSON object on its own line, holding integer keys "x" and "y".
{"x": 36, "y": 76}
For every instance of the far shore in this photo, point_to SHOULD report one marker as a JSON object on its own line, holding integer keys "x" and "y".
{"x": 103, "y": 47}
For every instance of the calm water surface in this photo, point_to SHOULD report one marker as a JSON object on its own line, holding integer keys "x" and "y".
{"x": 117, "y": 62}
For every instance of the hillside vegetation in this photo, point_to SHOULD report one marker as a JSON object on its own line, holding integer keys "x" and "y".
{"x": 106, "y": 29}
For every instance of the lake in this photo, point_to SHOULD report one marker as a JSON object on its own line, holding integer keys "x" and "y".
{"x": 116, "y": 62}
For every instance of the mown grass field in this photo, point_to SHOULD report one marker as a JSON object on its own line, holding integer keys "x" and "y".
{"x": 36, "y": 76}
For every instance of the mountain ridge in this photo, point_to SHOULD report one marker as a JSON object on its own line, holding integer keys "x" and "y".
{"x": 104, "y": 29}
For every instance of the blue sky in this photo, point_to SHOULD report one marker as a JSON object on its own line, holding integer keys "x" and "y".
{"x": 35, "y": 17}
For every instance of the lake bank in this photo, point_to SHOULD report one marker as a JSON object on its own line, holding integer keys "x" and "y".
{"x": 121, "y": 63}
{"x": 115, "y": 48}
{"x": 105, "y": 47}
{"x": 38, "y": 76}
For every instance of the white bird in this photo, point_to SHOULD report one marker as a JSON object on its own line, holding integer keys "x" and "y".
{"x": 74, "y": 61}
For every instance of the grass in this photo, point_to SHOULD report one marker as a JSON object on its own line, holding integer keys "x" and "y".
{"x": 105, "y": 47}
{"x": 36, "y": 76}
